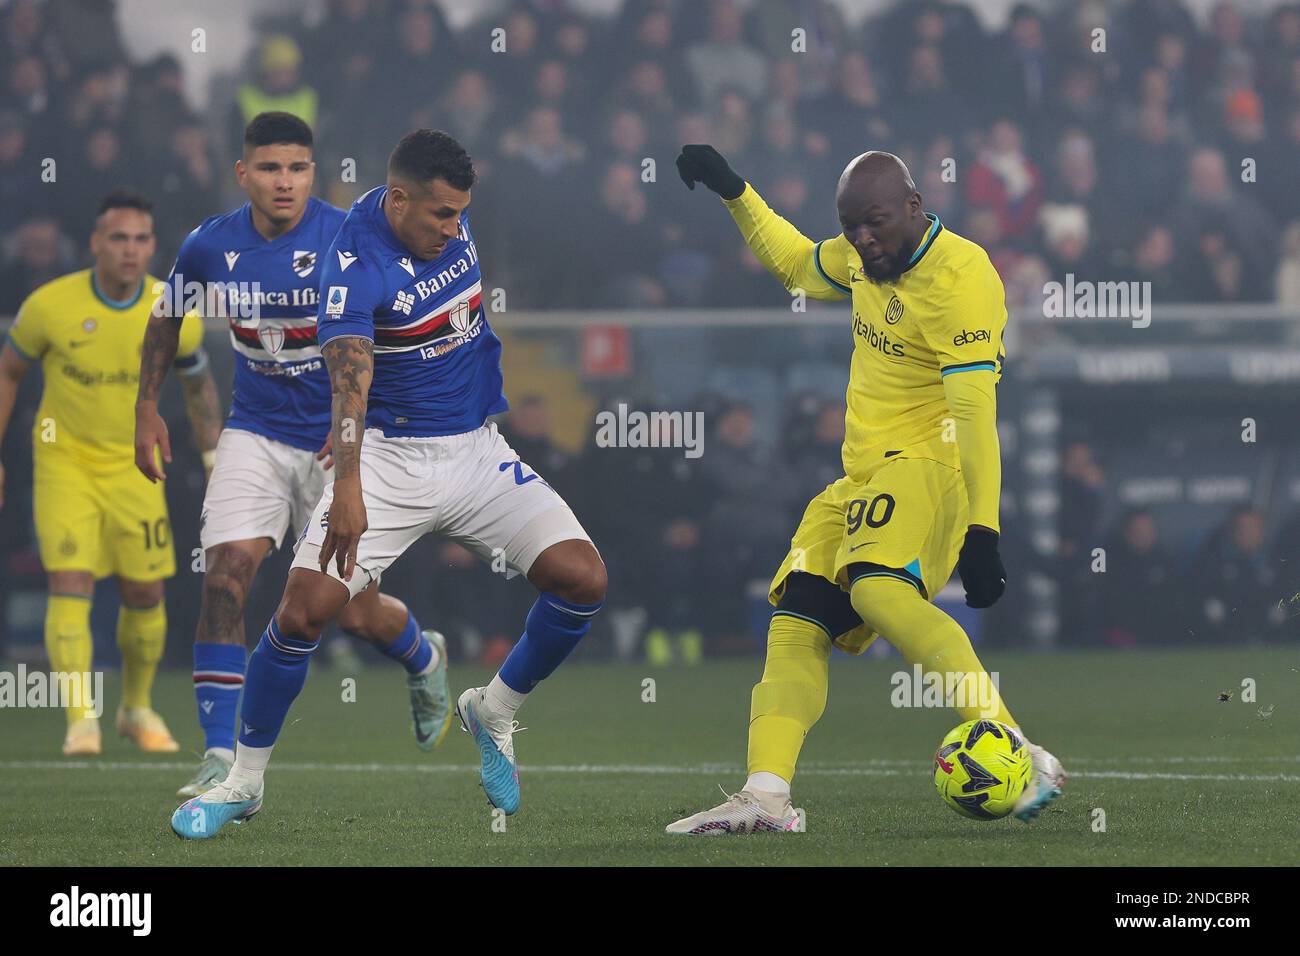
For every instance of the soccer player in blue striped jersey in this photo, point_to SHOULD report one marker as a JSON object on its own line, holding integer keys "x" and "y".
{"x": 415, "y": 372}
{"x": 259, "y": 266}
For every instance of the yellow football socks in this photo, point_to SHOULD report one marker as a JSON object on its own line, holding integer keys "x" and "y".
{"x": 70, "y": 648}
{"x": 791, "y": 696}
{"x": 141, "y": 632}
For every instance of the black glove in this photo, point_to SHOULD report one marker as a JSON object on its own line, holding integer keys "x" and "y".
{"x": 980, "y": 567}
{"x": 704, "y": 164}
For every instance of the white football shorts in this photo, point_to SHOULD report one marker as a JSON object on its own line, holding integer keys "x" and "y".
{"x": 260, "y": 488}
{"x": 471, "y": 488}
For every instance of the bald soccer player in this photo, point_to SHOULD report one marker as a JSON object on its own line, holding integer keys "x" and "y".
{"x": 922, "y": 472}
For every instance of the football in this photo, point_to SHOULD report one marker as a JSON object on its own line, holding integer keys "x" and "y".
{"x": 981, "y": 768}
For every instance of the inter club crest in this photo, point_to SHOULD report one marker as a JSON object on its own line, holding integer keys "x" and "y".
{"x": 894, "y": 311}
{"x": 304, "y": 262}
{"x": 272, "y": 339}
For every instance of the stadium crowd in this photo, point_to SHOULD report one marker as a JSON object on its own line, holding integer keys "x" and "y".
{"x": 1118, "y": 162}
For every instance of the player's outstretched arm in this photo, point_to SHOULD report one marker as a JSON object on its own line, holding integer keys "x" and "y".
{"x": 351, "y": 363}
{"x": 161, "y": 339}
{"x": 13, "y": 367}
{"x": 784, "y": 251}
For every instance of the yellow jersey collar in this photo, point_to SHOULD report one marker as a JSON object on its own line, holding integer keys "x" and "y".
{"x": 113, "y": 303}
{"x": 927, "y": 240}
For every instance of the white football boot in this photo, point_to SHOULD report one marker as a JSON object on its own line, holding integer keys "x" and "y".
{"x": 1045, "y": 786}
{"x": 749, "y": 811}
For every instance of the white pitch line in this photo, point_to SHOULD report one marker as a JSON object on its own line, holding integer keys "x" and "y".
{"x": 635, "y": 769}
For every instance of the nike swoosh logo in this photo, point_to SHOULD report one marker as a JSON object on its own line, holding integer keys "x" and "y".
{"x": 419, "y": 736}
{"x": 862, "y": 545}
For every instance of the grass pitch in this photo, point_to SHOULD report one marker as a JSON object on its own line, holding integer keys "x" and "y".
{"x": 1181, "y": 777}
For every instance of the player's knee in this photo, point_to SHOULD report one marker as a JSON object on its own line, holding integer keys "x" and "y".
{"x": 76, "y": 583}
{"x": 230, "y": 563}
{"x": 811, "y": 597}
{"x": 876, "y": 597}
{"x": 571, "y": 570}
{"x": 585, "y": 582}
{"x": 299, "y": 620}
{"x": 226, "y": 580}
{"x": 140, "y": 594}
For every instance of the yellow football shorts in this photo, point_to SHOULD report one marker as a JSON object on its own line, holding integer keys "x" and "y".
{"x": 907, "y": 520}
{"x": 114, "y": 523}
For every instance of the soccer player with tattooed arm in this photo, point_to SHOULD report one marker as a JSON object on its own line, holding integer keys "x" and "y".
{"x": 922, "y": 469}
{"x": 271, "y": 464}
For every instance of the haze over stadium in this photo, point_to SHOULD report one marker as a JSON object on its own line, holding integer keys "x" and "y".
{"x": 1129, "y": 169}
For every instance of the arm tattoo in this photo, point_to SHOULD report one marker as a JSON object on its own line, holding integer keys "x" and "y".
{"x": 161, "y": 338}
{"x": 351, "y": 363}
{"x": 203, "y": 408}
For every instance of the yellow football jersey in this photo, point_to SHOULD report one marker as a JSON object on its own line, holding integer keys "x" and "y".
{"x": 89, "y": 350}
{"x": 945, "y": 314}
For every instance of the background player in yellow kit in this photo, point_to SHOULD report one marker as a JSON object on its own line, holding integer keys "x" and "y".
{"x": 922, "y": 471}
{"x": 95, "y": 513}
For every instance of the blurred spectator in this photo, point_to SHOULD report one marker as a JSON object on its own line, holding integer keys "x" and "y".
{"x": 814, "y": 434}
{"x": 1071, "y": 248}
{"x": 36, "y": 253}
{"x": 185, "y": 185}
{"x": 1078, "y": 183}
{"x": 1139, "y": 586}
{"x": 1006, "y": 181}
{"x": 342, "y": 50}
{"x": 1235, "y": 234}
{"x": 28, "y": 93}
{"x": 826, "y": 38}
{"x": 723, "y": 60}
{"x": 1147, "y": 169}
{"x": 930, "y": 98}
{"x": 1287, "y": 281}
{"x": 19, "y": 169}
{"x": 278, "y": 86}
{"x": 748, "y": 527}
{"x": 157, "y": 105}
{"x": 851, "y": 112}
{"x": 1024, "y": 86}
{"x": 470, "y": 112}
{"x": 419, "y": 58}
{"x": 1155, "y": 261}
{"x": 633, "y": 242}
{"x": 1080, "y": 103}
{"x": 103, "y": 167}
{"x": 1236, "y": 583}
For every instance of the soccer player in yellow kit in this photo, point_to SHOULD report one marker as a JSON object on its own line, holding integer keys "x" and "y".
{"x": 922, "y": 471}
{"x": 95, "y": 513}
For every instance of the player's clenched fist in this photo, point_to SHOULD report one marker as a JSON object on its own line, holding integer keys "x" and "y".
{"x": 151, "y": 434}
{"x": 980, "y": 567}
{"x": 704, "y": 164}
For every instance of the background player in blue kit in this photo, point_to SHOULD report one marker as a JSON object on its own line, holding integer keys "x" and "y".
{"x": 416, "y": 371}
{"x": 260, "y": 265}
